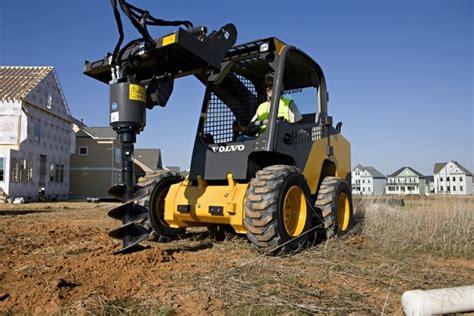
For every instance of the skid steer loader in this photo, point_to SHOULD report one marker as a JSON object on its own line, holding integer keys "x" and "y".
{"x": 283, "y": 187}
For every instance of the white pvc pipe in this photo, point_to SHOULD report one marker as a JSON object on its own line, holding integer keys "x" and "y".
{"x": 438, "y": 301}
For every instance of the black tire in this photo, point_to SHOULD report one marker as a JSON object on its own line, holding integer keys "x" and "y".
{"x": 328, "y": 202}
{"x": 158, "y": 186}
{"x": 268, "y": 193}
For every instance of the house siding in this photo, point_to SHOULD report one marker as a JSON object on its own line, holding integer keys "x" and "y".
{"x": 379, "y": 186}
{"x": 90, "y": 183}
{"x": 93, "y": 174}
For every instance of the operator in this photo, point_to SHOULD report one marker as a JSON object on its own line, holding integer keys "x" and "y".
{"x": 287, "y": 110}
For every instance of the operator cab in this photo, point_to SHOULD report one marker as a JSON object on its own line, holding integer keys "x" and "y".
{"x": 232, "y": 97}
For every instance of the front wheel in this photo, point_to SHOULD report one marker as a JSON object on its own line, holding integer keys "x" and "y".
{"x": 277, "y": 216}
{"x": 156, "y": 207}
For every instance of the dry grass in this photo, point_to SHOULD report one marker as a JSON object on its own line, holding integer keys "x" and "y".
{"x": 440, "y": 227}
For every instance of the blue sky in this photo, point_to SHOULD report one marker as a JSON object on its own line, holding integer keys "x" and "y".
{"x": 399, "y": 73}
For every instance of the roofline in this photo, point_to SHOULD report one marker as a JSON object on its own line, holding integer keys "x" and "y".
{"x": 142, "y": 165}
{"x": 84, "y": 129}
{"x": 67, "y": 119}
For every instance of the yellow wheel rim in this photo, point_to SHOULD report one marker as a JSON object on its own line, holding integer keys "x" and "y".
{"x": 343, "y": 211}
{"x": 294, "y": 211}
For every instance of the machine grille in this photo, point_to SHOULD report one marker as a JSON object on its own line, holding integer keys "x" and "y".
{"x": 240, "y": 105}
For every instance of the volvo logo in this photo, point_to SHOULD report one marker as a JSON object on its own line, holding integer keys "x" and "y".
{"x": 222, "y": 149}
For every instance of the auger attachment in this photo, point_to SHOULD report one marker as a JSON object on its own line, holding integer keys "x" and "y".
{"x": 127, "y": 118}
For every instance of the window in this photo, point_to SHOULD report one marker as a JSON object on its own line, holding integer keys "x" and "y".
{"x": 442, "y": 189}
{"x": 461, "y": 188}
{"x": 460, "y": 178}
{"x": 52, "y": 171}
{"x": 2, "y": 166}
{"x": 363, "y": 189}
{"x": 61, "y": 173}
{"x": 37, "y": 133}
{"x": 440, "y": 178}
{"x": 454, "y": 178}
{"x": 448, "y": 188}
{"x": 21, "y": 170}
{"x": 363, "y": 181}
{"x": 27, "y": 171}
{"x": 447, "y": 178}
{"x": 49, "y": 101}
{"x": 454, "y": 188}
{"x": 368, "y": 181}
{"x": 56, "y": 173}
{"x": 83, "y": 151}
{"x": 118, "y": 155}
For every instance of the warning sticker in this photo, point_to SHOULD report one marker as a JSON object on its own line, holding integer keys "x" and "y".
{"x": 137, "y": 93}
{"x": 167, "y": 40}
{"x": 114, "y": 117}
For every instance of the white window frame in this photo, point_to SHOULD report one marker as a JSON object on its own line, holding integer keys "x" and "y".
{"x": 83, "y": 147}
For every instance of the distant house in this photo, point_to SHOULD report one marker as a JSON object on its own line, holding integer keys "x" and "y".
{"x": 147, "y": 161}
{"x": 452, "y": 178}
{"x": 97, "y": 163}
{"x": 367, "y": 181}
{"x": 406, "y": 180}
{"x": 36, "y": 135}
{"x": 430, "y": 187}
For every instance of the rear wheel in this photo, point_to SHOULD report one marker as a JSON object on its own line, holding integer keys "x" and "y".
{"x": 276, "y": 211}
{"x": 155, "y": 202}
{"x": 334, "y": 205}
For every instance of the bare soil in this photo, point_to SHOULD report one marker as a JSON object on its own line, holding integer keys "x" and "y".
{"x": 56, "y": 258}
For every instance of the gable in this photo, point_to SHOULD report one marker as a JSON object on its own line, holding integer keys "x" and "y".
{"x": 407, "y": 172}
{"x": 47, "y": 94}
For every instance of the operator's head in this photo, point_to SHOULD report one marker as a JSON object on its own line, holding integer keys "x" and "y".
{"x": 269, "y": 77}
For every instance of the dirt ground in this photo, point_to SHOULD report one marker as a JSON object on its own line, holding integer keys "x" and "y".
{"x": 56, "y": 258}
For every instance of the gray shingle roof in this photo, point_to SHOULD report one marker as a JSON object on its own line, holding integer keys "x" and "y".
{"x": 374, "y": 172}
{"x": 439, "y": 165}
{"x": 100, "y": 132}
{"x": 371, "y": 170}
{"x": 149, "y": 157}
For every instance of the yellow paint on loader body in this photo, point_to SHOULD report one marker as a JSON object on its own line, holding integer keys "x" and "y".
{"x": 341, "y": 159}
{"x": 231, "y": 197}
{"x": 200, "y": 198}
